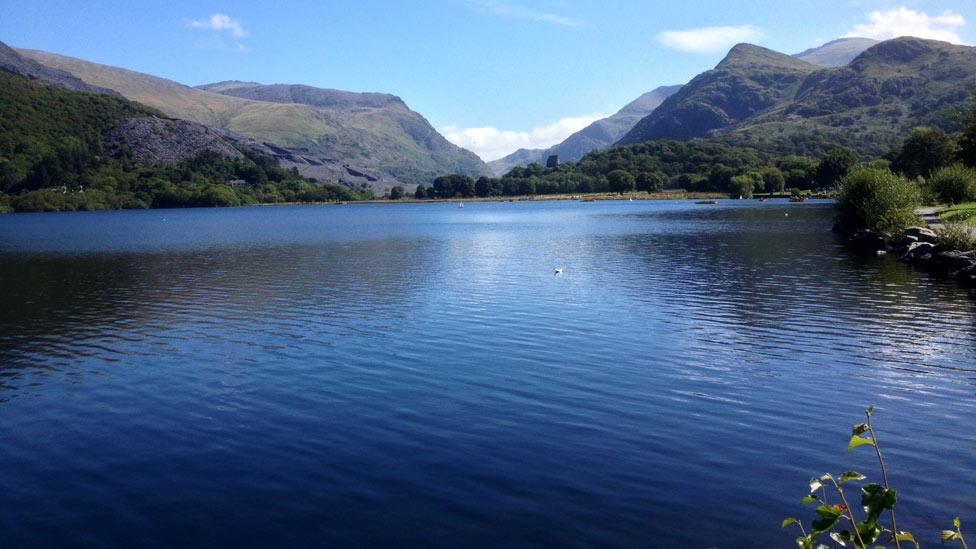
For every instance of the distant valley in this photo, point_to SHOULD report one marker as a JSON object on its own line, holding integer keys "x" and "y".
{"x": 597, "y": 136}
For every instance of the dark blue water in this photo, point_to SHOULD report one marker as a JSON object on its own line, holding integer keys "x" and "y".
{"x": 416, "y": 374}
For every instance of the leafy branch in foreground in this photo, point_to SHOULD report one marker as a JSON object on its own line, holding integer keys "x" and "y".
{"x": 840, "y": 521}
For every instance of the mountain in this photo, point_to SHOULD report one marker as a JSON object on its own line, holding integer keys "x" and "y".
{"x": 749, "y": 80}
{"x": 869, "y": 104}
{"x": 782, "y": 105}
{"x": 598, "y": 135}
{"x": 380, "y": 128}
{"x": 14, "y": 63}
{"x": 369, "y": 133}
{"x": 836, "y": 53}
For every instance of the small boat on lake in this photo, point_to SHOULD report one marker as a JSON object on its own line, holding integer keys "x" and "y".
{"x": 707, "y": 202}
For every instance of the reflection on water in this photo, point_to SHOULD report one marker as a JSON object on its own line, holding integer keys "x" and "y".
{"x": 415, "y": 373}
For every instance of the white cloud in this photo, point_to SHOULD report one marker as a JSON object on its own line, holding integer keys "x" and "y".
{"x": 491, "y": 143}
{"x": 220, "y": 22}
{"x": 510, "y": 9}
{"x": 709, "y": 39}
{"x": 905, "y": 22}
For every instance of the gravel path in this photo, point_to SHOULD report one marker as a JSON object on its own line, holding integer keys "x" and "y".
{"x": 930, "y": 216}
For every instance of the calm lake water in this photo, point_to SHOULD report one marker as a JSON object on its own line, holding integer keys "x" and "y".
{"x": 416, "y": 375}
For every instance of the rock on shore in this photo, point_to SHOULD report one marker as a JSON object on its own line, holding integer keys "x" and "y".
{"x": 919, "y": 247}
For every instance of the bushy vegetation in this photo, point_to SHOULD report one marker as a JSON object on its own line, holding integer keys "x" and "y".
{"x": 876, "y": 199}
{"x": 956, "y": 236}
{"x": 924, "y": 151}
{"x": 954, "y": 184}
{"x": 873, "y": 524}
{"x": 52, "y": 159}
{"x": 51, "y": 136}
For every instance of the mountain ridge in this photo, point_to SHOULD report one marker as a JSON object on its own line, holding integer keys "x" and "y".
{"x": 13, "y": 62}
{"x": 390, "y": 138}
{"x": 757, "y": 98}
{"x": 748, "y": 80}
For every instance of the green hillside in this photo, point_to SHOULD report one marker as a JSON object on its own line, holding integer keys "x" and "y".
{"x": 387, "y": 137}
{"x": 51, "y": 136}
{"x": 62, "y": 149}
{"x": 285, "y": 125}
{"x": 748, "y": 81}
{"x": 762, "y": 100}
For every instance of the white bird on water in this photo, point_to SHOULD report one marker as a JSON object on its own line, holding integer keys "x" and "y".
{"x": 558, "y": 271}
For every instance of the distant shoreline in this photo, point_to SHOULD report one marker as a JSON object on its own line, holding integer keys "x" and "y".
{"x": 521, "y": 198}
{"x": 592, "y": 197}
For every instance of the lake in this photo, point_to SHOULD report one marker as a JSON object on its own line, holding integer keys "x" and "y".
{"x": 417, "y": 374}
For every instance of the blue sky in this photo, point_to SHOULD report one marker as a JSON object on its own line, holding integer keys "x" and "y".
{"x": 492, "y": 75}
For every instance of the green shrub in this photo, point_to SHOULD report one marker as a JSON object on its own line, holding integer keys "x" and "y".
{"x": 954, "y": 184}
{"x": 746, "y": 184}
{"x": 876, "y": 199}
{"x": 956, "y": 236}
{"x": 872, "y": 523}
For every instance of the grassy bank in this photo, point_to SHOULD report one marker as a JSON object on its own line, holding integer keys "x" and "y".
{"x": 959, "y": 213}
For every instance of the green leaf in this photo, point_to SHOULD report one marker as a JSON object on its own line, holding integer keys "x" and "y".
{"x": 869, "y": 531}
{"x": 828, "y": 512}
{"x": 851, "y": 475}
{"x": 870, "y": 410}
{"x": 905, "y": 536}
{"x": 949, "y": 535}
{"x": 810, "y": 499}
{"x": 815, "y": 485}
{"x": 822, "y": 525}
{"x": 859, "y": 429}
{"x": 858, "y": 441}
{"x": 876, "y": 500}
{"x": 788, "y": 521}
{"x": 842, "y": 538}
{"x": 955, "y": 522}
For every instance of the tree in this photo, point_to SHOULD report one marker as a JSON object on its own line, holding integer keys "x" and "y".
{"x": 397, "y": 192}
{"x": 967, "y": 139}
{"x": 462, "y": 185}
{"x": 620, "y": 181}
{"x": 923, "y": 151}
{"x": 482, "y": 187}
{"x": 835, "y": 166}
{"x": 651, "y": 182}
{"x": 720, "y": 177}
{"x": 773, "y": 180}
{"x": 421, "y": 192}
{"x": 746, "y": 184}
{"x": 799, "y": 172}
